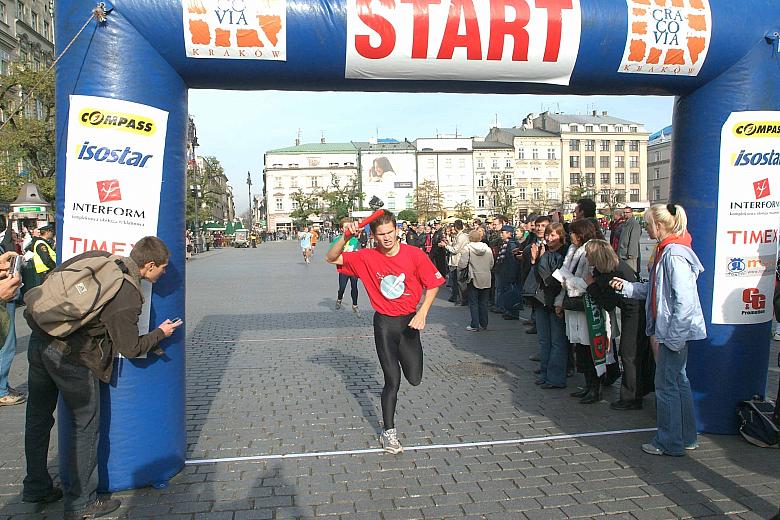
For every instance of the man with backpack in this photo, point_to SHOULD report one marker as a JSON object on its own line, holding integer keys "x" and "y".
{"x": 73, "y": 364}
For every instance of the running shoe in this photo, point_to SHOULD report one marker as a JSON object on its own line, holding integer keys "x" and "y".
{"x": 12, "y": 399}
{"x": 355, "y": 310}
{"x": 776, "y": 337}
{"x": 389, "y": 441}
{"x": 472, "y": 329}
{"x": 338, "y": 304}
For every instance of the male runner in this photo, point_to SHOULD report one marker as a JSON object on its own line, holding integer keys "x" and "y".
{"x": 394, "y": 276}
{"x": 305, "y": 238}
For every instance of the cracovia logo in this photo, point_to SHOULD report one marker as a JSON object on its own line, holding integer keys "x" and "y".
{"x": 771, "y": 158}
{"x": 126, "y": 156}
{"x": 94, "y": 117}
{"x": 757, "y": 129}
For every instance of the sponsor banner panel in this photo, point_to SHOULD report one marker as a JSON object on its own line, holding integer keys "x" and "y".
{"x": 390, "y": 177}
{"x": 235, "y": 29}
{"x": 670, "y": 38}
{"x": 467, "y": 40}
{"x": 114, "y": 162}
{"x": 748, "y": 218}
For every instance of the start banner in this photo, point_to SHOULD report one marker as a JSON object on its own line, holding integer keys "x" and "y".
{"x": 748, "y": 218}
{"x": 114, "y": 162}
{"x": 467, "y": 40}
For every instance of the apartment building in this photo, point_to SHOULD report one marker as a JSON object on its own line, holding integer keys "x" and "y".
{"x": 447, "y": 161}
{"x": 659, "y": 166}
{"x": 495, "y": 186}
{"x": 537, "y": 167}
{"x": 602, "y": 157}
{"x": 26, "y": 33}
{"x": 305, "y": 167}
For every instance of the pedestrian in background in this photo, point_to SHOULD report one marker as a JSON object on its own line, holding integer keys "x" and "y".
{"x": 674, "y": 317}
{"x": 9, "y": 287}
{"x": 479, "y": 262}
{"x": 628, "y": 243}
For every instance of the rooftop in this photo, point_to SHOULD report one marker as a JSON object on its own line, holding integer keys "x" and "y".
{"x": 489, "y": 145}
{"x": 317, "y": 148}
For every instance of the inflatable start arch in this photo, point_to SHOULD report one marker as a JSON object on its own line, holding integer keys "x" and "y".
{"x": 122, "y": 121}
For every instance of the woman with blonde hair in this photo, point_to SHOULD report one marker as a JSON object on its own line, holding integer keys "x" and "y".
{"x": 674, "y": 317}
{"x": 479, "y": 262}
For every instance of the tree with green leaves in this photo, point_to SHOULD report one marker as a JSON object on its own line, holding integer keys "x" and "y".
{"x": 408, "y": 215}
{"x": 502, "y": 200}
{"x": 428, "y": 201}
{"x": 27, "y": 139}
{"x": 210, "y": 176}
{"x": 305, "y": 204}
{"x": 340, "y": 200}
{"x": 464, "y": 211}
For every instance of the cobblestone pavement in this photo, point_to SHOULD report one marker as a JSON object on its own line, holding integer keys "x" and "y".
{"x": 274, "y": 369}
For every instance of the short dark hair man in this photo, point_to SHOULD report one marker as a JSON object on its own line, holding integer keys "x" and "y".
{"x": 394, "y": 275}
{"x": 73, "y": 368}
{"x": 586, "y": 209}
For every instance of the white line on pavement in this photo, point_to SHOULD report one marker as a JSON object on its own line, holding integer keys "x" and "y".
{"x": 286, "y": 339}
{"x": 419, "y": 448}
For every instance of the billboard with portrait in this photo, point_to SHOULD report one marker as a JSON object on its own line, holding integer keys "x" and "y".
{"x": 391, "y": 177}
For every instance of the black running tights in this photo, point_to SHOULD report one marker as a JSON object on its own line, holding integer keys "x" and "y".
{"x": 343, "y": 279}
{"x": 398, "y": 348}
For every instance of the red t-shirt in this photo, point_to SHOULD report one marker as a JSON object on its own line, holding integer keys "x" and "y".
{"x": 394, "y": 283}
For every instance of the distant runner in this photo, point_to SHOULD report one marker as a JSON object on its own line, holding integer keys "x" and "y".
{"x": 351, "y": 245}
{"x": 395, "y": 276}
{"x": 305, "y": 238}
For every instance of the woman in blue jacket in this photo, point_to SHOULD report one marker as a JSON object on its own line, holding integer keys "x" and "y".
{"x": 674, "y": 317}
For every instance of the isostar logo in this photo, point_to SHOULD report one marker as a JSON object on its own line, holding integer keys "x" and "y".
{"x": 771, "y": 158}
{"x": 125, "y": 156}
{"x": 754, "y": 301}
{"x": 96, "y": 118}
{"x": 757, "y": 129}
{"x": 761, "y": 188}
{"x": 669, "y": 38}
{"x": 109, "y": 190}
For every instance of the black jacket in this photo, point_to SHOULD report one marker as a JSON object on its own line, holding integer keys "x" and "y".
{"x": 604, "y": 295}
{"x": 114, "y": 331}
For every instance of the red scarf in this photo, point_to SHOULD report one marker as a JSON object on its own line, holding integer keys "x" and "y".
{"x": 686, "y": 239}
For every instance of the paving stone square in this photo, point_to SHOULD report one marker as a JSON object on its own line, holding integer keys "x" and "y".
{"x": 273, "y": 369}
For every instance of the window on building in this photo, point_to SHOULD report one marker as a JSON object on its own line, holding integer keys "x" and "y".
{"x": 574, "y": 128}
{"x": 620, "y": 197}
{"x": 35, "y": 22}
{"x": 620, "y": 146}
{"x": 590, "y": 178}
{"x": 656, "y": 193}
{"x": 657, "y": 173}
{"x": 448, "y": 162}
{"x": 588, "y": 128}
{"x": 409, "y": 201}
{"x": 537, "y": 193}
{"x": 481, "y": 182}
{"x": 521, "y": 154}
{"x": 574, "y": 179}
{"x": 634, "y": 178}
{"x": 276, "y": 165}
{"x": 590, "y": 161}
{"x": 292, "y": 165}
{"x": 495, "y": 180}
{"x": 551, "y": 154}
{"x": 509, "y": 199}
{"x": 604, "y": 196}
{"x": 620, "y": 178}
{"x": 657, "y": 157}
{"x": 604, "y": 128}
{"x": 480, "y": 164}
{"x": 574, "y": 161}
{"x": 278, "y": 183}
{"x": 461, "y": 162}
{"x": 314, "y": 182}
{"x": 494, "y": 200}
{"x": 47, "y": 30}
{"x": 604, "y": 177}
{"x": 333, "y": 165}
{"x": 633, "y": 162}
{"x": 633, "y": 145}
{"x": 508, "y": 179}
{"x": 294, "y": 182}
{"x": 590, "y": 145}
{"x": 634, "y": 195}
{"x": 495, "y": 164}
{"x": 279, "y": 204}
{"x": 20, "y": 10}
{"x": 295, "y": 205}
{"x": 508, "y": 164}
{"x": 604, "y": 145}
{"x": 3, "y": 13}
{"x": 604, "y": 161}
{"x": 619, "y": 129}
{"x": 634, "y": 129}
{"x": 535, "y": 153}
{"x": 431, "y": 162}
{"x": 5, "y": 62}
{"x": 620, "y": 162}
{"x": 552, "y": 193}
{"x": 574, "y": 145}
{"x": 521, "y": 193}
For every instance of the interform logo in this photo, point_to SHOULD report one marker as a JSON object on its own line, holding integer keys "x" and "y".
{"x": 761, "y": 188}
{"x": 109, "y": 190}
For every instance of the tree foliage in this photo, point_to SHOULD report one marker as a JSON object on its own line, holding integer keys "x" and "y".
{"x": 305, "y": 205}
{"x": 212, "y": 181}
{"x": 27, "y": 142}
{"x": 464, "y": 211}
{"x": 408, "y": 215}
{"x": 502, "y": 199}
{"x": 428, "y": 201}
{"x": 340, "y": 200}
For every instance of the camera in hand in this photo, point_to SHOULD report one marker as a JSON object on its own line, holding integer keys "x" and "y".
{"x": 15, "y": 265}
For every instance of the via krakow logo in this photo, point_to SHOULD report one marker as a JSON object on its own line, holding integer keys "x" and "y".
{"x": 231, "y": 12}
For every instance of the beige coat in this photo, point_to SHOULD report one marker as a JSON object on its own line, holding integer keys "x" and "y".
{"x": 480, "y": 262}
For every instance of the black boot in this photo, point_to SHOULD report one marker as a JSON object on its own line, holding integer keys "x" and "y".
{"x": 594, "y": 392}
{"x": 584, "y": 391}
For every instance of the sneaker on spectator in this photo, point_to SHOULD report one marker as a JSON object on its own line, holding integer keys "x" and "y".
{"x": 12, "y": 399}
{"x": 471, "y": 329}
{"x": 389, "y": 441}
{"x": 100, "y": 507}
{"x": 776, "y": 337}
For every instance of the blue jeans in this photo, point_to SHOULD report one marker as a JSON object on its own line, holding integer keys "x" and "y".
{"x": 553, "y": 346}
{"x": 478, "y": 306}
{"x": 507, "y": 298}
{"x": 8, "y": 350}
{"x": 673, "y": 402}
{"x": 52, "y": 375}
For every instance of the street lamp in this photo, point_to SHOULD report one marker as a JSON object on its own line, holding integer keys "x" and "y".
{"x": 249, "y": 184}
{"x": 195, "y": 190}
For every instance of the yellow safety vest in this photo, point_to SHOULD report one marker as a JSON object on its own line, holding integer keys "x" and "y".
{"x": 40, "y": 267}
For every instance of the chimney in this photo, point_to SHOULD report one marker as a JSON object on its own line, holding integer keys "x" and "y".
{"x": 297, "y": 142}
{"x": 322, "y": 138}
{"x": 603, "y": 113}
{"x": 595, "y": 113}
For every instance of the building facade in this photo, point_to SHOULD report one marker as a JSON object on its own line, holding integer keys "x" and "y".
{"x": 495, "y": 185}
{"x": 448, "y": 162}
{"x": 307, "y": 168}
{"x": 388, "y": 171}
{"x": 602, "y": 157}
{"x": 26, "y": 33}
{"x": 659, "y": 166}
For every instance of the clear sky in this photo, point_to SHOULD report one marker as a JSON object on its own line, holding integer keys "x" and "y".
{"x": 239, "y": 127}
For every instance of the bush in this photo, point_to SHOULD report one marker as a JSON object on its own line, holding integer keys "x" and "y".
{"x": 408, "y": 215}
